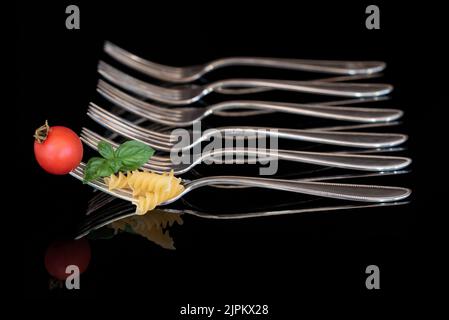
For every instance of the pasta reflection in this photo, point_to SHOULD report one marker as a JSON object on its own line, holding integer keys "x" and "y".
{"x": 152, "y": 226}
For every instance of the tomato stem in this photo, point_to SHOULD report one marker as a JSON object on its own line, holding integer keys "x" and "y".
{"x": 41, "y": 133}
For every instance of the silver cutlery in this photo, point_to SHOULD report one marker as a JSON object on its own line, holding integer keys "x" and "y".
{"x": 187, "y": 116}
{"x": 338, "y": 160}
{"x": 239, "y": 91}
{"x": 252, "y": 90}
{"x": 190, "y": 94}
{"x": 167, "y": 142}
{"x": 192, "y": 73}
{"x": 356, "y": 126}
{"x": 160, "y": 136}
{"x": 95, "y": 221}
{"x": 153, "y": 126}
{"x": 124, "y": 210}
{"x": 101, "y": 198}
{"x": 350, "y": 192}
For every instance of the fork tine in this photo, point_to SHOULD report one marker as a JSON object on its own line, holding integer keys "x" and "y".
{"x": 158, "y": 127}
{"x": 120, "y": 121}
{"x": 128, "y": 102}
{"x": 137, "y": 86}
{"x": 105, "y": 121}
{"x": 159, "y": 168}
{"x": 127, "y": 129}
{"x": 127, "y": 125}
{"x": 91, "y": 139}
{"x": 156, "y": 166}
{"x": 138, "y": 63}
{"x": 78, "y": 173}
{"x": 162, "y": 165}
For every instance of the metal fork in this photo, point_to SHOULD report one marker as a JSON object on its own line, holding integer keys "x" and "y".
{"x": 124, "y": 210}
{"x": 252, "y": 90}
{"x": 239, "y": 91}
{"x": 347, "y": 161}
{"x": 101, "y": 198}
{"x": 192, "y": 73}
{"x": 169, "y": 143}
{"x": 187, "y": 116}
{"x": 190, "y": 94}
{"x": 350, "y": 192}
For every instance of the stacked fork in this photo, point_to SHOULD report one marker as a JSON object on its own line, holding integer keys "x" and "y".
{"x": 171, "y": 115}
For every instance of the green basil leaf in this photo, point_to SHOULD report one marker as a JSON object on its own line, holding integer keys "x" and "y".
{"x": 97, "y": 167}
{"x": 106, "y": 150}
{"x": 116, "y": 165}
{"x": 133, "y": 154}
{"x": 131, "y": 167}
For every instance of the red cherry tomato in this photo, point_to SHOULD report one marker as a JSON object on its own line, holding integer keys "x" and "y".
{"x": 61, "y": 254}
{"x": 58, "y": 150}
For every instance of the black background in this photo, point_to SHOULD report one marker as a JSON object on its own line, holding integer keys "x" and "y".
{"x": 268, "y": 261}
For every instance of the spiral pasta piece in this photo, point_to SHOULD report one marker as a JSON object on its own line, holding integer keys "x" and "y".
{"x": 117, "y": 182}
{"x": 147, "y": 202}
{"x": 144, "y": 181}
{"x": 149, "y": 189}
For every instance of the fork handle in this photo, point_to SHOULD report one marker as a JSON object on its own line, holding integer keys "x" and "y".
{"x": 322, "y": 111}
{"x": 358, "y": 90}
{"x": 347, "y": 161}
{"x": 354, "y": 192}
{"x": 324, "y": 66}
{"x": 340, "y": 138}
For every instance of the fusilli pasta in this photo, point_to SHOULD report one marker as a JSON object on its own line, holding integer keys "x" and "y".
{"x": 149, "y": 189}
{"x": 117, "y": 182}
